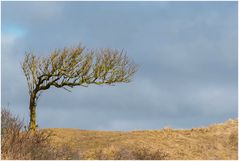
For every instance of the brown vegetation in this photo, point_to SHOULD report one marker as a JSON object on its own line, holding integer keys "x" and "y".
{"x": 216, "y": 142}
{"x": 219, "y": 141}
{"x": 19, "y": 144}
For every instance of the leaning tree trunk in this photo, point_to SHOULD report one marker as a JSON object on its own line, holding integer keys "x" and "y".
{"x": 32, "y": 107}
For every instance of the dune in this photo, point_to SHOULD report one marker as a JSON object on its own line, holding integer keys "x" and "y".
{"x": 218, "y": 141}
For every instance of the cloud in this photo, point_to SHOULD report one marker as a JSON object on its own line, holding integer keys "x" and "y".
{"x": 187, "y": 54}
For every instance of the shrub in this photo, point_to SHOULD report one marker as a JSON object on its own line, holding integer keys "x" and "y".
{"x": 17, "y": 143}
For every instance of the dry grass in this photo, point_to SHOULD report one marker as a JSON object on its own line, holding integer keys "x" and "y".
{"x": 217, "y": 141}
{"x": 19, "y": 144}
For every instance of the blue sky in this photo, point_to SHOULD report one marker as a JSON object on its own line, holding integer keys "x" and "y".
{"x": 187, "y": 53}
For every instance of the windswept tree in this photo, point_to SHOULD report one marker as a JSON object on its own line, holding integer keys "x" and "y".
{"x": 72, "y": 67}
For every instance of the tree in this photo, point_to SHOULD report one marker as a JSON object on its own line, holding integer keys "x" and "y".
{"x": 72, "y": 67}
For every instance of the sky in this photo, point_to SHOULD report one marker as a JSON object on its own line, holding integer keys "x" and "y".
{"x": 186, "y": 52}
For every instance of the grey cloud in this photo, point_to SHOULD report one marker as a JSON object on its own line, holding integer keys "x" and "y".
{"x": 187, "y": 54}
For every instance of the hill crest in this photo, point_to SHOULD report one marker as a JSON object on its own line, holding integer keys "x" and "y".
{"x": 217, "y": 141}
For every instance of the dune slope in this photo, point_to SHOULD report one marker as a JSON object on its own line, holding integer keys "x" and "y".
{"x": 218, "y": 141}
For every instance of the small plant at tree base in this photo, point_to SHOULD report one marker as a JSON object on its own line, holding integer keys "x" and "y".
{"x": 72, "y": 67}
{"x": 18, "y": 144}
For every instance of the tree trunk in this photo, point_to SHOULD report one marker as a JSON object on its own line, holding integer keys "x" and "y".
{"x": 32, "y": 107}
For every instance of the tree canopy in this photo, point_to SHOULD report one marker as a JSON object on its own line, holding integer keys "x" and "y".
{"x": 77, "y": 66}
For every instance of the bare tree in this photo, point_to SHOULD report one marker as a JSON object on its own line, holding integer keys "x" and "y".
{"x": 72, "y": 67}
